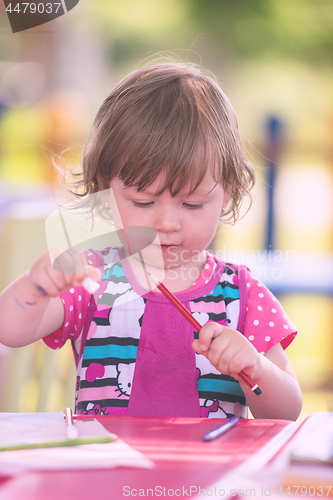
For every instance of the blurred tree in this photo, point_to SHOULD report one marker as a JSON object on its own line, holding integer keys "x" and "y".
{"x": 227, "y": 29}
{"x": 133, "y": 29}
{"x": 300, "y": 29}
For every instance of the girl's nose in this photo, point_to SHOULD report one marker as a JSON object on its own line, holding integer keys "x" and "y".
{"x": 167, "y": 220}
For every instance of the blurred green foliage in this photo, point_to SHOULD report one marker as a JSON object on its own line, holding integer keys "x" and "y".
{"x": 301, "y": 29}
{"x": 228, "y": 29}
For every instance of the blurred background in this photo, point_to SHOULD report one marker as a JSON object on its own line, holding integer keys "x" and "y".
{"x": 273, "y": 58}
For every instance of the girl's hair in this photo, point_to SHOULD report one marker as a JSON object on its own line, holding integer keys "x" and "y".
{"x": 168, "y": 119}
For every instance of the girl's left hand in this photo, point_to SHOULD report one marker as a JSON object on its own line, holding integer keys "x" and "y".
{"x": 228, "y": 350}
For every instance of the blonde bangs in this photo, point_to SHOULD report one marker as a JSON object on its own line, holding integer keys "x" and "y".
{"x": 177, "y": 168}
{"x": 169, "y": 122}
{"x": 175, "y": 142}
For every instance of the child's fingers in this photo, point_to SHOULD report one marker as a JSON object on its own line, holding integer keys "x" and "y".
{"x": 64, "y": 281}
{"x": 207, "y": 334}
{"x": 196, "y": 346}
{"x": 68, "y": 261}
{"x": 243, "y": 360}
{"x": 55, "y": 272}
{"x": 238, "y": 357}
{"x": 94, "y": 273}
{"x": 228, "y": 350}
{"x": 91, "y": 272}
{"x": 72, "y": 266}
{"x": 219, "y": 354}
{"x": 47, "y": 283}
{"x": 222, "y": 350}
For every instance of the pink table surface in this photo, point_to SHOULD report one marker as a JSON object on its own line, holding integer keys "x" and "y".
{"x": 182, "y": 461}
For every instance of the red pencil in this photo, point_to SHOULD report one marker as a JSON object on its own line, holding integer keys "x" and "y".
{"x": 182, "y": 309}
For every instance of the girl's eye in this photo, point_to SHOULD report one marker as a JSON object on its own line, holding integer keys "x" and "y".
{"x": 191, "y": 206}
{"x": 143, "y": 204}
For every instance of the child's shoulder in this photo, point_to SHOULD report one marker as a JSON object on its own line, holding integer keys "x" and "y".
{"x": 224, "y": 263}
{"x": 226, "y": 268}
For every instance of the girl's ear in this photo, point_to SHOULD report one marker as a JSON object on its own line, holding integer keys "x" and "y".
{"x": 226, "y": 196}
{"x": 100, "y": 183}
{"x": 103, "y": 192}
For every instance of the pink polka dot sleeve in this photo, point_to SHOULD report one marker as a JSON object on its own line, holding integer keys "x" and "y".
{"x": 76, "y": 303}
{"x": 266, "y": 323}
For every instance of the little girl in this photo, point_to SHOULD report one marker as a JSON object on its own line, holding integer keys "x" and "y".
{"x": 165, "y": 142}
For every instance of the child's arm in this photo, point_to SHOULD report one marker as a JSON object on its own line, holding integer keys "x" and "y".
{"x": 230, "y": 352}
{"x": 31, "y": 308}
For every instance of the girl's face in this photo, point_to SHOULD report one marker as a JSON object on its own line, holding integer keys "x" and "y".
{"x": 185, "y": 224}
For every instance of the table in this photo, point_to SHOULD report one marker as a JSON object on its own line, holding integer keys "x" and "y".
{"x": 186, "y": 467}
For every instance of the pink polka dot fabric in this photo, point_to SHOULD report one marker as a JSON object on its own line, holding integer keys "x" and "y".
{"x": 76, "y": 307}
{"x": 266, "y": 323}
{"x": 76, "y": 304}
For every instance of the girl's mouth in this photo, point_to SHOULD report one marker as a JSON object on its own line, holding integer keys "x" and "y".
{"x": 168, "y": 248}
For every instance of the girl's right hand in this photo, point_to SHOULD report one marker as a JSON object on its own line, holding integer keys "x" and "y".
{"x": 69, "y": 269}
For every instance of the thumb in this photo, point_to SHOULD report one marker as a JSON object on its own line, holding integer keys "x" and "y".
{"x": 196, "y": 346}
{"x": 94, "y": 273}
{"x": 90, "y": 280}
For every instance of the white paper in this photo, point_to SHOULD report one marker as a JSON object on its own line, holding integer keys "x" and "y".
{"x": 314, "y": 441}
{"x": 38, "y": 428}
{"x": 88, "y": 456}
{"x": 16, "y": 428}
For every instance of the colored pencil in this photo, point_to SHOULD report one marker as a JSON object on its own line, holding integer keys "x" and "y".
{"x": 182, "y": 309}
{"x": 56, "y": 444}
{"x": 71, "y": 430}
{"x": 221, "y": 429}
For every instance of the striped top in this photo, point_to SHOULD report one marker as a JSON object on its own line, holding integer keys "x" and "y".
{"x": 137, "y": 357}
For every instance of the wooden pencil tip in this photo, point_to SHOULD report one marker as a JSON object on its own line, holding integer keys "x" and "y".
{"x": 154, "y": 280}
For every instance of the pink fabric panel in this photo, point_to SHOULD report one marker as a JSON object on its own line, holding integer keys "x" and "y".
{"x": 165, "y": 376}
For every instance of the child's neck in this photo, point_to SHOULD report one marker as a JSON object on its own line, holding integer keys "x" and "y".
{"x": 176, "y": 279}
{"x": 183, "y": 277}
